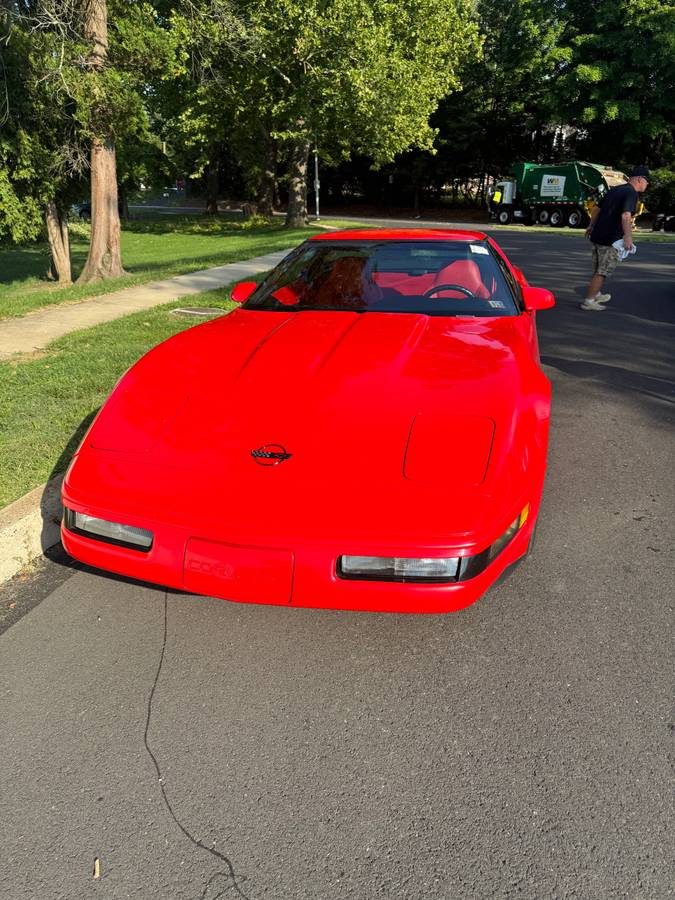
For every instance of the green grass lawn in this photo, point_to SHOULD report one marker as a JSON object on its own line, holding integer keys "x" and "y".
{"x": 46, "y": 403}
{"x": 152, "y": 249}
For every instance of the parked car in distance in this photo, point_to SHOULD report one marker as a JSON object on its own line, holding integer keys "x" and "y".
{"x": 83, "y": 209}
{"x": 368, "y": 430}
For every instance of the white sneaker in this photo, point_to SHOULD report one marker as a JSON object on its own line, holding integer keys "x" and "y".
{"x": 602, "y": 298}
{"x": 591, "y": 304}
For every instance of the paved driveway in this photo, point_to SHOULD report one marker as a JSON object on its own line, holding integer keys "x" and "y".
{"x": 200, "y": 749}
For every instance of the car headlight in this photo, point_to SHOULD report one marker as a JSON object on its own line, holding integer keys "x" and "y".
{"x": 397, "y": 568}
{"x": 428, "y": 569}
{"x": 110, "y": 532}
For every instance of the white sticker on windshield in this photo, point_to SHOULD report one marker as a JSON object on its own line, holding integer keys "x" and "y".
{"x": 477, "y": 248}
{"x": 496, "y": 304}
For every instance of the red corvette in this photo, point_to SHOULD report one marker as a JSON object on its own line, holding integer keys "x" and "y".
{"x": 368, "y": 431}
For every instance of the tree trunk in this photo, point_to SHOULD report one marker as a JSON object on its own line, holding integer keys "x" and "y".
{"x": 59, "y": 245}
{"x": 296, "y": 215}
{"x": 212, "y": 182}
{"x": 105, "y": 257}
{"x": 269, "y": 176}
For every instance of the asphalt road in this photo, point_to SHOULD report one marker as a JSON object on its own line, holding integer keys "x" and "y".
{"x": 519, "y": 748}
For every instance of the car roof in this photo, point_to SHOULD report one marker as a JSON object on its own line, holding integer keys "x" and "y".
{"x": 401, "y": 234}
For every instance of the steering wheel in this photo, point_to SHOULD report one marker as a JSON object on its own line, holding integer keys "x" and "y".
{"x": 449, "y": 287}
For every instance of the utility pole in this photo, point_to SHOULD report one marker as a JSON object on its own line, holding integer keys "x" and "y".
{"x": 316, "y": 181}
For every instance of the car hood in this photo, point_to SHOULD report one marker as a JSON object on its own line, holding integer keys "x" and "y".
{"x": 366, "y": 405}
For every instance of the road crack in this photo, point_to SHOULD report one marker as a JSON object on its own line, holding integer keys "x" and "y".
{"x": 230, "y": 876}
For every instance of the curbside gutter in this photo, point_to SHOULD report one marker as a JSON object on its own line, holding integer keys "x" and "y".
{"x": 29, "y": 526}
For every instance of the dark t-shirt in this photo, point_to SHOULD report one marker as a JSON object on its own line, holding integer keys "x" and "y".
{"x": 607, "y": 228}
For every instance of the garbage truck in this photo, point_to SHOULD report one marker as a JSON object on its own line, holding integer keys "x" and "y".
{"x": 557, "y": 195}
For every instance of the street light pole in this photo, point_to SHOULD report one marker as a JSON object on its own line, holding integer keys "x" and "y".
{"x": 316, "y": 181}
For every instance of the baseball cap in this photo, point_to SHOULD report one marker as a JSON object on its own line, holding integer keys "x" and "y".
{"x": 640, "y": 172}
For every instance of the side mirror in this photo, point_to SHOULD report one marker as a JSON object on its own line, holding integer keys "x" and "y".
{"x": 243, "y": 291}
{"x": 537, "y": 298}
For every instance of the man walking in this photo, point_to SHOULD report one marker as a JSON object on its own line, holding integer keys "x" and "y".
{"x": 611, "y": 222}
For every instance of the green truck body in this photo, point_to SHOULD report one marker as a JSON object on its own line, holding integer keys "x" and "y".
{"x": 561, "y": 194}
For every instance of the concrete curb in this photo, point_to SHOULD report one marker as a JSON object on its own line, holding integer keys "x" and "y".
{"x": 29, "y": 526}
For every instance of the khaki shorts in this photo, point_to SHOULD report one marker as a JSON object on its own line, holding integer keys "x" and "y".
{"x": 605, "y": 259}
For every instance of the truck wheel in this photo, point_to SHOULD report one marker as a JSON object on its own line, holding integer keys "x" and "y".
{"x": 543, "y": 215}
{"x": 575, "y": 218}
{"x": 557, "y": 219}
{"x": 504, "y": 216}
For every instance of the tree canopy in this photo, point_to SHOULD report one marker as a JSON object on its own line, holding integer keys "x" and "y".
{"x": 419, "y": 95}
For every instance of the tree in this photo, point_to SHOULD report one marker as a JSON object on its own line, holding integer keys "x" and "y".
{"x": 619, "y": 87}
{"x": 505, "y": 110}
{"x": 196, "y": 107}
{"x": 118, "y": 65}
{"x": 21, "y": 159}
{"x": 105, "y": 256}
{"x": 348, "y": 76}
{"x": 84, "y": 88}
{"x": 557, "y": 79}
{"x": 40, "y": 166}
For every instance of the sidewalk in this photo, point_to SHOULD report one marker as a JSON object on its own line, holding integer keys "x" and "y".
{"x": 37, "y": 329}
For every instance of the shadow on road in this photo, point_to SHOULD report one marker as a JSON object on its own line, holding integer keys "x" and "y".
{"x": 626, "y": 349}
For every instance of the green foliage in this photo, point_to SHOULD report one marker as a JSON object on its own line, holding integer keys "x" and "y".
{"x": 142, "y": 162}
{"x": 619, "y": 85}
{"x": 503, "y": 112}
{"x": 193, "y": 103}
{"x": 352, "y": 76}
{"x": 437, "y": 91}
{"x": 661, "y": 194}
{"x": 20, "y": 212}
{"x": 558, "y": 79}
{"x": 28, "y": 158}
{"x": 357, "y": 76}
{"x": 56, "y": 105}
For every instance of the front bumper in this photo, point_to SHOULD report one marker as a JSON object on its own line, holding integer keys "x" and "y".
{"x": 300, "y": 575}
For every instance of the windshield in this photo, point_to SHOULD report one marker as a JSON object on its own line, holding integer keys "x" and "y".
{"x": 443, "y": 278}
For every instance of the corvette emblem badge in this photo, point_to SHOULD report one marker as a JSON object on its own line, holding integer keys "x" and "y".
{"x": 270, "y": 455}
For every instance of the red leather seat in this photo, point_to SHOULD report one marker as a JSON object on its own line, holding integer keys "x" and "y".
{"x": 404, "y": 284}
{"x": 464, "y": 272}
